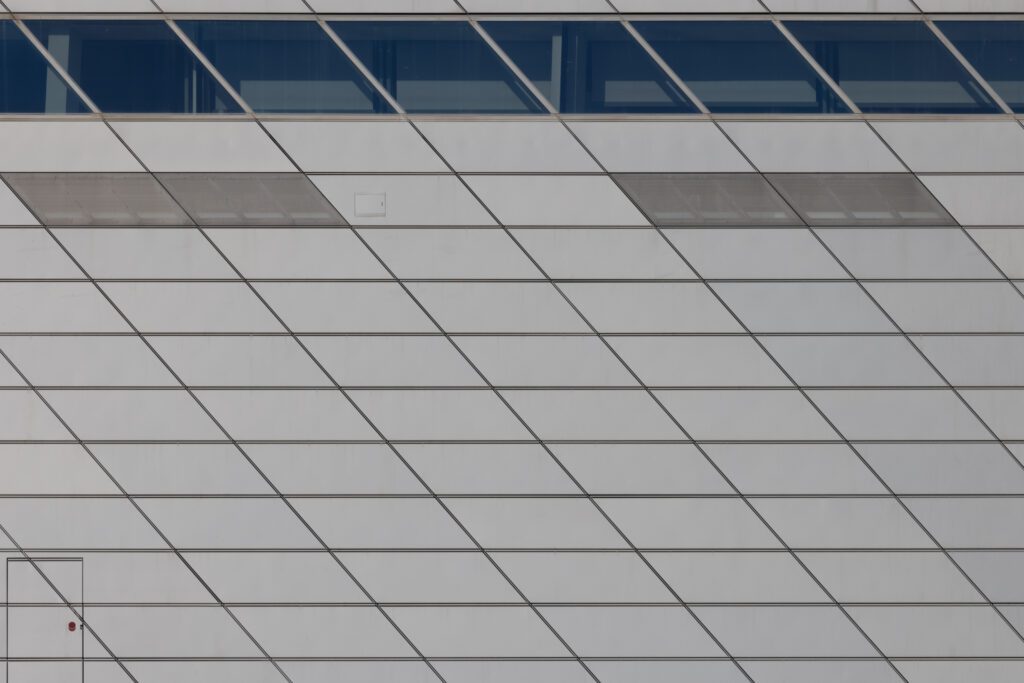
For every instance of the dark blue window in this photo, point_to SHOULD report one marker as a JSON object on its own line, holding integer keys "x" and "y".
{"x": 284, "y": 66}
{"x": 27, "y": 83}
{"x": 740, "y": 66}
{"x": 133, "y": 66}
{"x": 996, "y": 50}
{"x": 437, "y": 66}
{"x": 589, "y": 66}
{"x": 892, "y": 66}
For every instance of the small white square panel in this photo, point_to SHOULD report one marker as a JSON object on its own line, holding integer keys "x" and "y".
{"x": 411, "y": 200}
{"x": 371, "y": 205}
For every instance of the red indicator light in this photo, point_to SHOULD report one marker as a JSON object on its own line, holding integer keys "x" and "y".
{"x": 72, "y": 626}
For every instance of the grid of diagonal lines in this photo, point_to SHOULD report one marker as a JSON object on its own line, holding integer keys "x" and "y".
{"x": 531, "y": 421}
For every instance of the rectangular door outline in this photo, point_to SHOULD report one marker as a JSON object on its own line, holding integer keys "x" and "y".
{"x": 79, "y": 607}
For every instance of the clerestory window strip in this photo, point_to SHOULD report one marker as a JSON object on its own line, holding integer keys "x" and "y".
{"x": 624, "y": 64}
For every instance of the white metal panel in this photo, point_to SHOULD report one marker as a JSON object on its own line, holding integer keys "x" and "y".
{"x": 556, "y": 200}
{"x": 385, "y": 6}
{"x": 213, "y": 146}
{"x": 37, "y": 146}
{"x": 12, "y": 211}
{"x": 81, "y": 6}
{"x": 568, "y": 6}
{"x": 33, "y": 253}
{"x": 688, "y": 5}
{"x": 969, "y": 5}
{"x": 507, "y": 146}
{"x": 355, "y": 146}
{"x": 957, "y": 146}
{"x": 840, "y": 6}
{"x": 812, "y": 146}
{"x": 1005, "y": 247}
{"x": 631, "y": 631}
{"x": 661, "y": 146}
{"x": 233, "y": 6}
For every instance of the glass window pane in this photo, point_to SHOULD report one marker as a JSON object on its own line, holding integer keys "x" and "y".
{"x": 860, "y": 199}
{"x": 707, "y": 199}
{"x": 133, "y": 66}
{"x": 437, "y": 66}
{"x": 588, "y": 66}
{"x": 27, "y": 83}
{"x": 284, "y": 66}
{"x": 996, "y": 50}
{"x": 892, "y": 66}
{"x": 740, "y": 66}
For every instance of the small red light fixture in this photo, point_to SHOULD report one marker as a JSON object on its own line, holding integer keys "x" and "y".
{"x": 72, "y": 626}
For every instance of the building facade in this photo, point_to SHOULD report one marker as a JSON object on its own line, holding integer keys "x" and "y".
{"x": 506, "y": 341}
